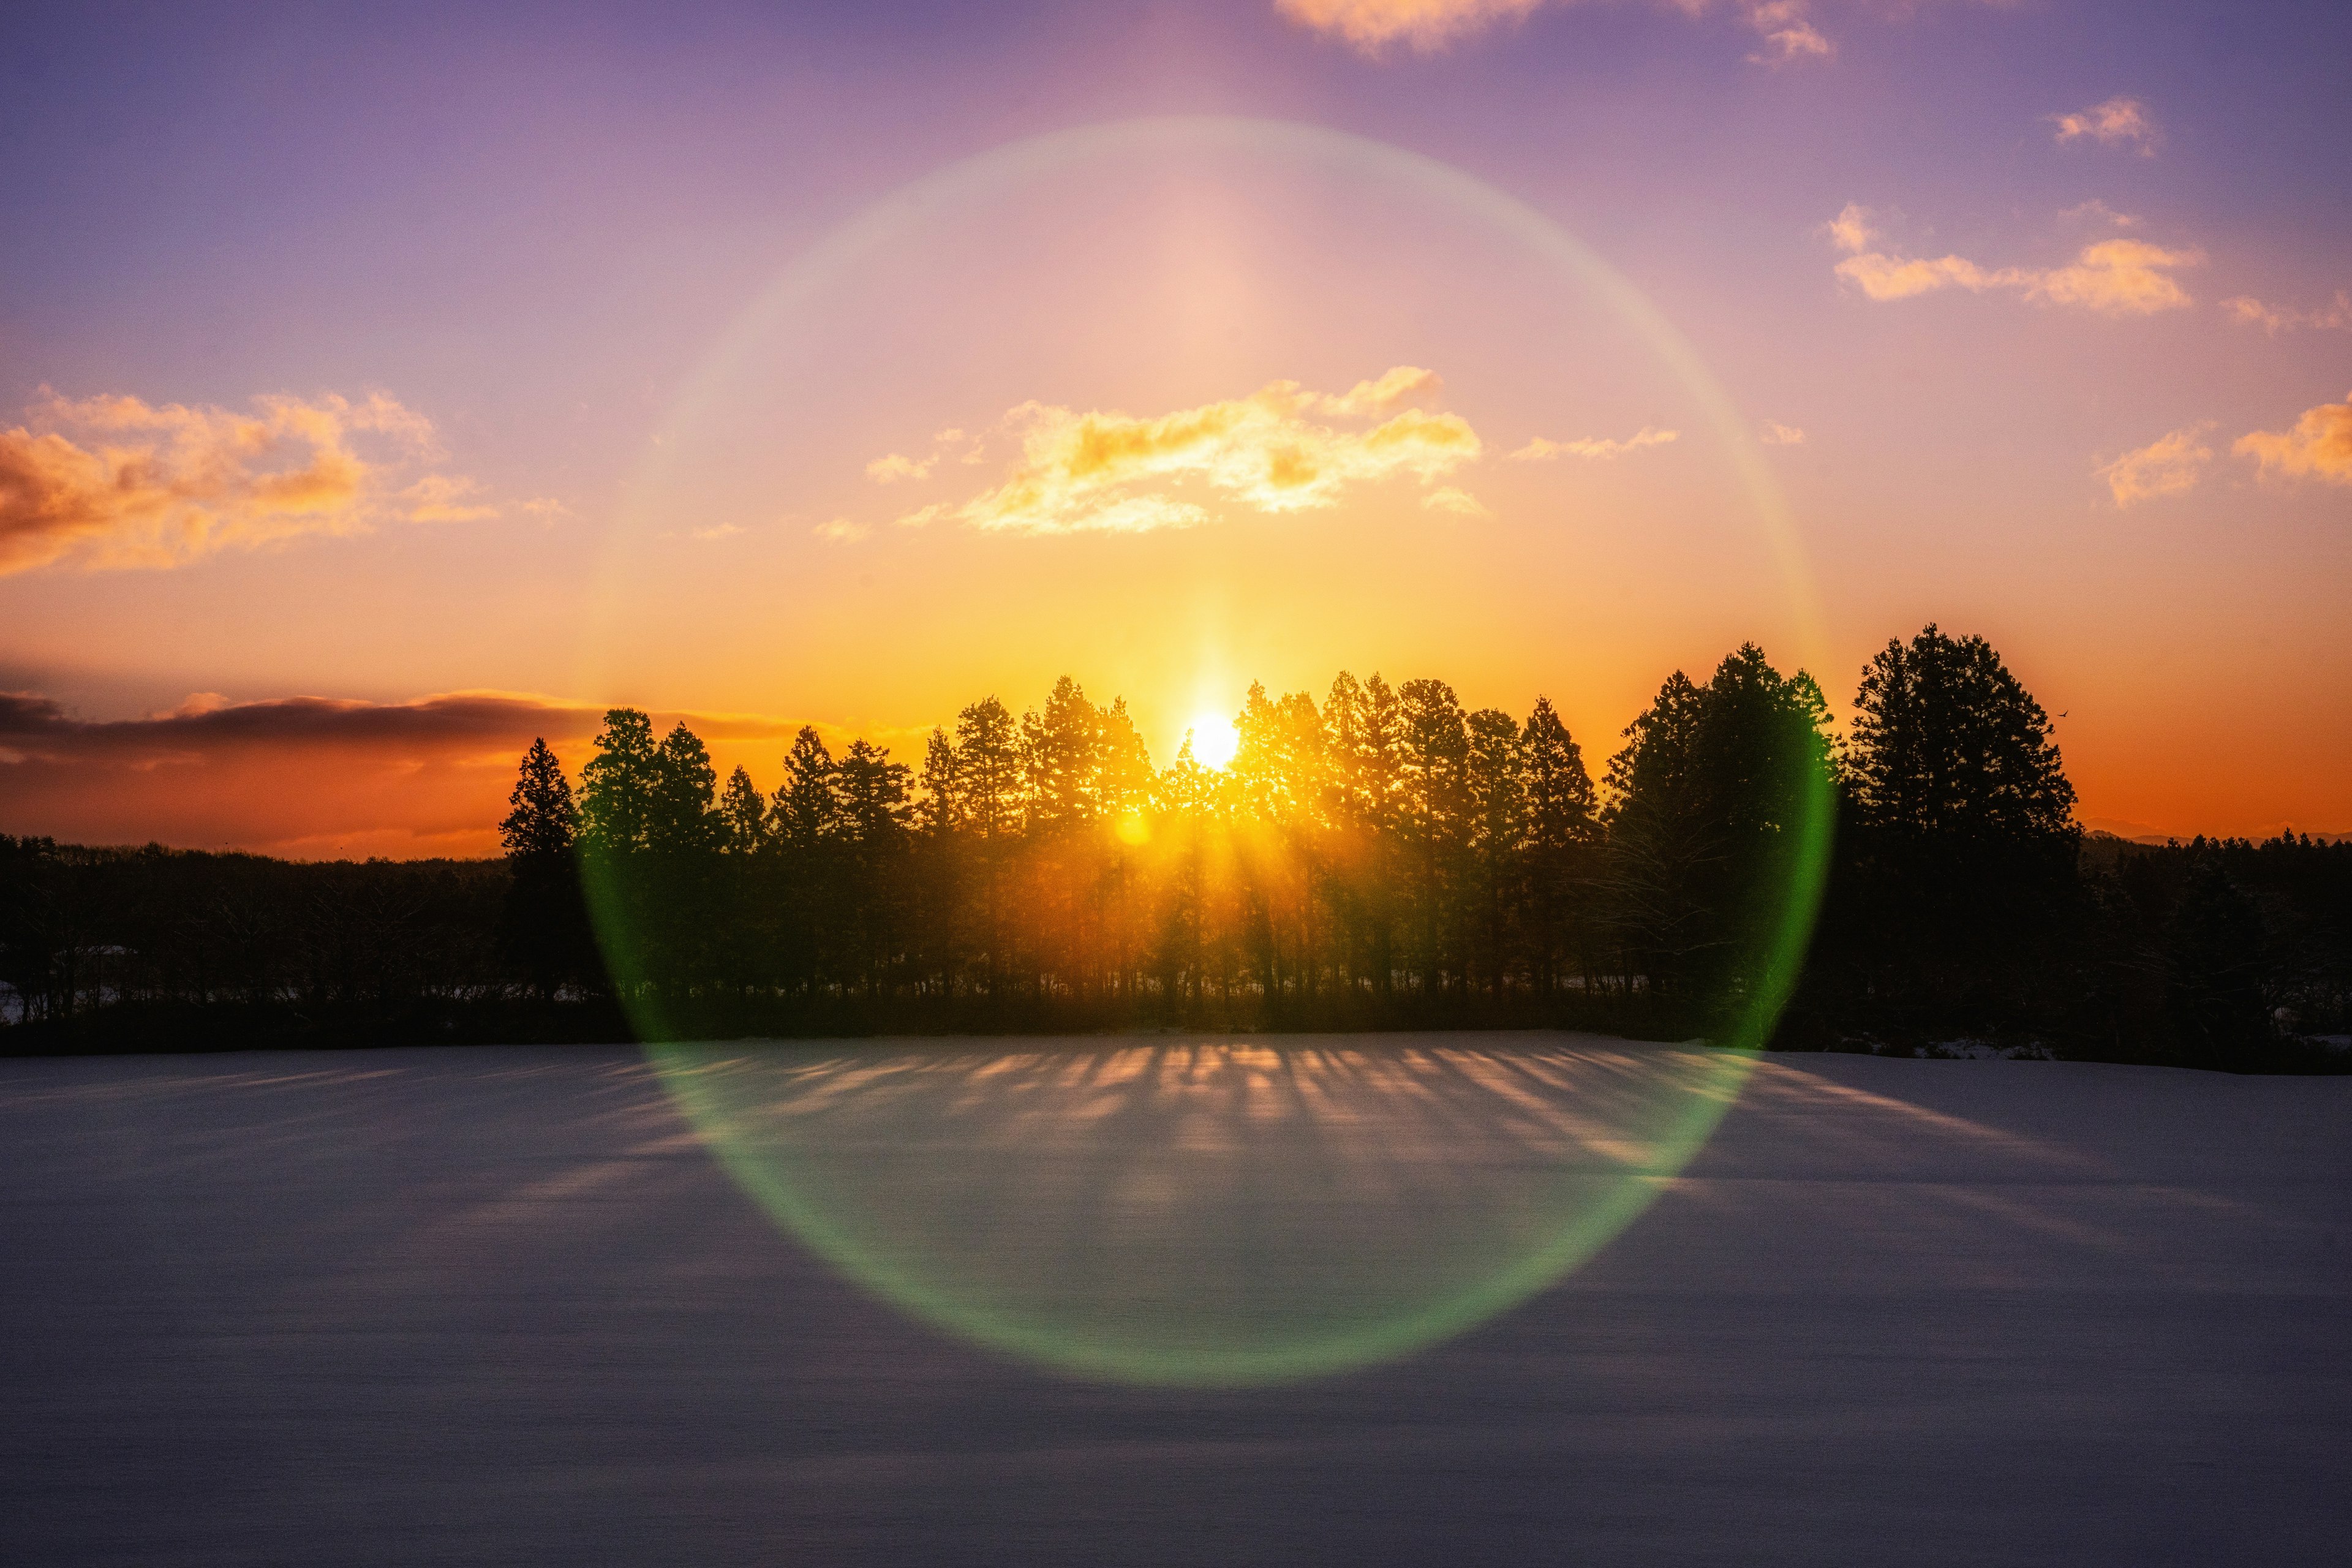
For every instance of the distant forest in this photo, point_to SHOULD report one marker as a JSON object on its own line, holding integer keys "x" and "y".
{"x": 1376, "y": 858}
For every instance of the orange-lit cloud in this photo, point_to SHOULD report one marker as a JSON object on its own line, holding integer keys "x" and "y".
{"x": 2168, "y": 466}
{"x": 1778, "y": 435}
{"x": 2112, "y": 276}
{"x": 1372, "y": 24}
{"x": 843, "y": 531}
{"x": 444, "y": 498}
{"x": 2318, "y": 448}
{"x": 1785, "y": 29}
{"x": 1590, "y": 447}
{"x": 1105, "y": 471}
{"x": 303, "y": 776}
{"x": 1788, "y": 32}
{"x": 1459, "y": 503}
{"x": 1395, "y": 388}
{"x": 118, "y": 482}
{"x": 2117, "y": 122}
{"x": 2276, "y": 319}
{"x": 893, "y": 467}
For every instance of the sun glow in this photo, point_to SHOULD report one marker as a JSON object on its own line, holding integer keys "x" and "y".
{"x": 1213, "y": 739}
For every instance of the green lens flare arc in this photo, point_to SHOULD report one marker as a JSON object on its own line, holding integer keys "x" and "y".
{"x": 1140, "y": 1349}
{"x": 1143, "y": 1353}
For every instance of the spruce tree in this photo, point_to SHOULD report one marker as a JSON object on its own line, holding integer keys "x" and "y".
{"x": 544, "y": 822}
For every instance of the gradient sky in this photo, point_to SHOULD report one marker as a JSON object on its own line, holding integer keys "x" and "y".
{"x": 381, "y": 386}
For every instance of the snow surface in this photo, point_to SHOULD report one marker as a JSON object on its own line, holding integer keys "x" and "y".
{"x": 500, "y": 1306}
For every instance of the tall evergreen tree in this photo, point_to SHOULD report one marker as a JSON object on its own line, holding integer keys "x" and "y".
{"x": 808, "y": 804}
{"x": 618, "y": 783}
{"x": 544, "y": 822}
{"x": 684, "y": 818}
{"x": 743, "y": 813}
{"x": 1961, "y": 868}
{"x": 1561, "y": 828}
{"x": 543, "y": 928}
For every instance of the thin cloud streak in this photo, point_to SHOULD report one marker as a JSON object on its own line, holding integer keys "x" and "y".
{"x": 2120, "y": 122}
{"x": 2250, "y": 311}
{"x": 1593, "y": 448}
{"x": 2112, "y": 278}
{"x": 1785, "y": 29}
{"x": 301, "y": 775}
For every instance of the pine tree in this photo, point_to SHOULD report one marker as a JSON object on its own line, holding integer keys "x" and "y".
{"x": 617, "y": 785}
{"x": 683, "y": 819}
{"x": 872, "y": 793}
{"x": 544, "y": 823}
{"x": 1561, "y": 827}
{"x": 807, "y": 809}
{"x": 743, "y": 812}
{"x": 543, "y": 926}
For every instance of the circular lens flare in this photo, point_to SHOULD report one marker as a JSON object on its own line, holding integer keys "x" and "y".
{"x": 1209, "y": 1213}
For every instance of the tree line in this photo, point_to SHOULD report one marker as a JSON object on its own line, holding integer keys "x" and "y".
{"x": 1374, "y": 856}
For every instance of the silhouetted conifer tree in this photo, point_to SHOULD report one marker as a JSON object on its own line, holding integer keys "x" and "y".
{"x": 543, "y": 929}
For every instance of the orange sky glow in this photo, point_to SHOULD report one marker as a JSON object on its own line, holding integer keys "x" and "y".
{"x": 1237, "y": 353}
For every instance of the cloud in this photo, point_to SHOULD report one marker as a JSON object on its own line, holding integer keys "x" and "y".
{"x": 1404, "y": 383}
{"x": 1785, "y": 28}
{"x": 545, "y": 506}
{"x": 2276, "y": 319}
{"x": 305, "y": 776}
{"x": 2319, "y": 447}
{"x": 113, "y": 482}
{"x": 715, "y": 532}
{"x": 1778, "y": 435}
{"x": 1426, "y": 25}
{"x": 1589, "y": 447}
{"x": 841, "y": 530}
{"x": 2168, "y": 466}
{"x": 1106, "y": 471}
{"x": 2112, "y": 276}
{"x": 2099, "y": 211}
{"x": 1460, "y": 502}
{"x": 891, "y": 467}
{"x": 1788, "y": 33}
{"x": 2119, "y": 121}
{"x": 922, "y": 516}
{"x": 444, "y": 498}
{"x": 1851, "y": 230}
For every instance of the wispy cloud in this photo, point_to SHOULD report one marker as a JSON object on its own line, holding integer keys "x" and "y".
{"x": 2118, "y": 122}
{"x": 1590, "y": 447}
{"x": 1425, "y": 24}
{"x": 1457, "y": 501}
{"x": 444, "y": 498}
{"x": 2168, "y": 466}
{"x": 892, "y": 467}
{"x": 1778, "y": 435}
{"x": 2277, "y": 318}
{"x": 2318, "y": 448}
{"x": 1786, "y": 30}
{"x": 841, "y": 530}
{"x": 1108, "y": 471}
{"x": 2112, "y": 276}
{"x": 113, "y": 482}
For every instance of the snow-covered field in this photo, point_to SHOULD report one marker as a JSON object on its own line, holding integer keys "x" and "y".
{"x": 503, "y": 1306}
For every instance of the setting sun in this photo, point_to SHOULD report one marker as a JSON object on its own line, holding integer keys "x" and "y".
{"x": 1213, "y": 739}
